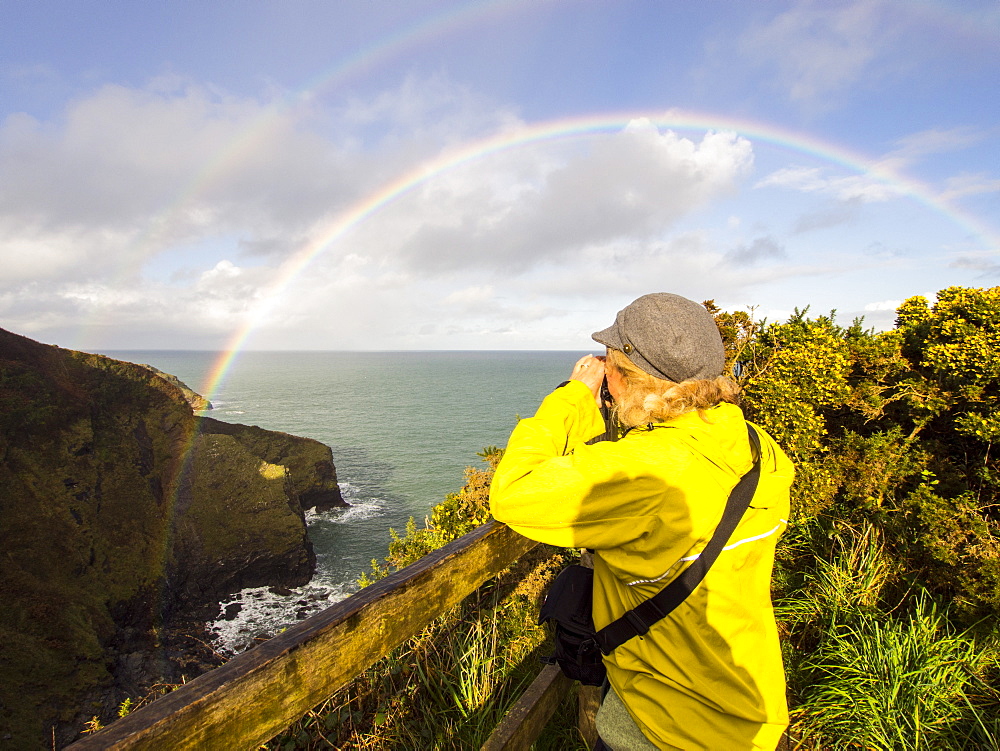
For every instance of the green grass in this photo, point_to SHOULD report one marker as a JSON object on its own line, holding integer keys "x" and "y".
{"x": 907, "y": 683}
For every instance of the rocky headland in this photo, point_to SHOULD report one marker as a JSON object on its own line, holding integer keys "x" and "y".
{"x": 197, "y": 401}
{"x": 124, "y": 519}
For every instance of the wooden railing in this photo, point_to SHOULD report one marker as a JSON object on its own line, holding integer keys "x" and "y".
{"x": 259, "y": 693}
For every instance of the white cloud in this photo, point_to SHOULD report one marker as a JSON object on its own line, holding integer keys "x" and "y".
{"x": 988, "y": 264}
{"x": 883, "y": 305}
{"x": 478, "y": 295}
{"x": 773, "y": 315}
{"x": 126, "y": 173}
{"x": 422, "y": 110}
{"x": 852, "y": 190}
{"x": 915, "y": 148}
{"x": 863, "y": 188}
{"x": 526, "y": 245}
{"x": 935, "y": 141}
{"x": 761, "y": 249}
{"x": 969, "y": 184}
{"x": 816, "y": 50}
{"x": 829, "y": 215}
{"x": 631, "y": 184}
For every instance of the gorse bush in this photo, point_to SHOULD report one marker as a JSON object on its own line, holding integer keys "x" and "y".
{"x": 895, "y": 428}
{"x": 887, "y": 582}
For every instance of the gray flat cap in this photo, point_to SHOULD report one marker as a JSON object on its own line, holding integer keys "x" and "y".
{"x": 668, "y": 336}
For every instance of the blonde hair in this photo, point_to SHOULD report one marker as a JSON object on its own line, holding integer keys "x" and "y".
{"x": 648, "y": 399}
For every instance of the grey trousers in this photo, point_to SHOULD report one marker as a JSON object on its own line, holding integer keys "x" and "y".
{"x": 617, "y": 728}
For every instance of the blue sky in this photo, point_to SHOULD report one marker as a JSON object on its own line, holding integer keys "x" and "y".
{"x": 497, "y": 175}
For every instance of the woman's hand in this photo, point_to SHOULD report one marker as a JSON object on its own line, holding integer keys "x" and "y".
{"x": 590, "y": 370}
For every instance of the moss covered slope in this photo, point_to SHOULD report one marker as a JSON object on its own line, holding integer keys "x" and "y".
{"x": 120, "y": 510}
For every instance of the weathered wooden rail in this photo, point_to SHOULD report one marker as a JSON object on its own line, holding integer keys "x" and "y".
{"x": 259, "y": 693}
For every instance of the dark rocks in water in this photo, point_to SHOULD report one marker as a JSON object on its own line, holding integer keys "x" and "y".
{"x": 126, "y": 519}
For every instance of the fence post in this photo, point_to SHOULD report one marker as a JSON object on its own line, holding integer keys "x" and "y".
{"x": 525, "y": 721}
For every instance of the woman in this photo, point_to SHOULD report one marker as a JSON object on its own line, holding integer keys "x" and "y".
{"x": 709, "y": 675}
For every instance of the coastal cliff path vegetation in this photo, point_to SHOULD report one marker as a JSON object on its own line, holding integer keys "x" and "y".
{"x": 887, "y": 580}
{"x": 887, "y": 583}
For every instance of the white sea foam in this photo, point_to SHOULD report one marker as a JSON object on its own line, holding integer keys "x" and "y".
{"x": 358, "y": 510}
{"x": 258, "y": 613}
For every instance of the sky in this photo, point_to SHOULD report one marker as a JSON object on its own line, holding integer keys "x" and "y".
{"x": 499, "y": 174}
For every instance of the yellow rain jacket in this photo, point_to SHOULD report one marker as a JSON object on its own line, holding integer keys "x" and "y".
{"x": 709, "y": 675}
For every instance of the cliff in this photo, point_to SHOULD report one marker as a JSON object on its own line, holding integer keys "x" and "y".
{"x": 197, "y": 401}
{"x": 309, "y": 463}
{"x": 121, "y": 514}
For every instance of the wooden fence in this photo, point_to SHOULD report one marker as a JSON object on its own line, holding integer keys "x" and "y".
{"x": 259, "y": 693}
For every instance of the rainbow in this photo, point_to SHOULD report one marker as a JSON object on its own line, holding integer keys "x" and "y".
{"x": 563, "y": 129}
{"x": 451, "y": 20}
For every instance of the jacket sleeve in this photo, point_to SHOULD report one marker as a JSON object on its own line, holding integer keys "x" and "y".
{"x": 553, "y": 487}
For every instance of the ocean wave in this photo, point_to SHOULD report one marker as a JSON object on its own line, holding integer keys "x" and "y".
{"x": 360, "y": 508}
{"x": 359, "y": 511}
{"x": 258, "y": 613}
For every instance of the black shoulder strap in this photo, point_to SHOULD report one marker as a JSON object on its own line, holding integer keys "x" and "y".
{"x": 637, "y": 621}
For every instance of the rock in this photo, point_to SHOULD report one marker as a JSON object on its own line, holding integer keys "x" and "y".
{"x": 197, "y": 401}
{"x": 123, "y": 516}
{"x": 310, "y": 463}
{"x": 239, "y": 524}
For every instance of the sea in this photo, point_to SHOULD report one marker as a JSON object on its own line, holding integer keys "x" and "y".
{"x": 403, "y": 426}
